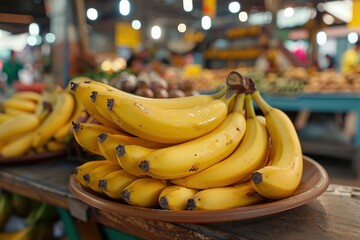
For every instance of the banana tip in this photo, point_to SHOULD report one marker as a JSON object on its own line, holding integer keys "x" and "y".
{"x": 144, "y": 165}
{"x": 102, "y": 137}
{"x": 191, "y": 204}
{"x": 120, "y": 150}
{"x": 163, "y": 203}
{"x": 256, "y": 177}
{"x": 103, "y": 184}
{"x": 125, "y": 194}
{"x": 73, "y": 86}
{"x": 76, "y": 126}
{"x": 86, "y": 178}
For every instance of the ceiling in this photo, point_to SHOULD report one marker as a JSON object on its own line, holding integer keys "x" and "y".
{"x": 22, "y": 13}
{"x": 167, "y": 11}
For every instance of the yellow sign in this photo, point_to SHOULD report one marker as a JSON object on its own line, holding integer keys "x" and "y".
{"x": 209, "y": 8}
{"x": 126, "y": 36}
{"x": 243, "y": 32}
{"x": 194, "y": 37}
{"x": 355, "y": 22}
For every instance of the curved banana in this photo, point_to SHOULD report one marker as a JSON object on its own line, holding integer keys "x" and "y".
{"x": 19, "y": 124}
{"x": 130, "y": 156}
{"x": 173, "y": 103}
{"x": 239, "y": 195}
{"x": 143, "y": 192}
{"x": 175, "y": 197}
{"x": 92, "y": 178}
{"x": 108, "y": 143}
{"x": 53, "y": 146}
{"x": 28, "y": 95}
{"x": 19, "y": 104}
{"x": 169, "y": 125}
{"x": 250, "y": 155}
{"x": 19, "y": 146}
{"x": 115, "y": 182}
{"x": 79, "y": 114}
{"x": 196, "y": 155}
{"x": 86, "y": 135}
{"x": 86, "y": 168}
{"x": 281, "y": 178}
{"x": 82, "y": 91}
{"x": 5, "y": 116}
{"x": 60, "y": 114}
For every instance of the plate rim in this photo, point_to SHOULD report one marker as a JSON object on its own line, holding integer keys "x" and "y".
{"x": 203, "y": 216}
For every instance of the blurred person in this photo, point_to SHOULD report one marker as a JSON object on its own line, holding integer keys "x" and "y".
{"x": 350, "y": 59}
{"x": 135, "y": 65}
{"x": 271, "y": 60}
{"x": 11, "y": 68}
{"x": 330, "y": 62}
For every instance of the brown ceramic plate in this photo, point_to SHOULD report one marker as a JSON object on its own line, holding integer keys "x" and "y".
{"x": 33, "y": 157}
{"x": 313, "y": 183}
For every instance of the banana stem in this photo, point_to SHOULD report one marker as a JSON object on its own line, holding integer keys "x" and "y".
{"x": 239, "y": 104}
{"x": 249, "y": 106}
{"x": 220, "y": 93}
{"x": 229, "y": 96}
{"x": 264, "y": 106}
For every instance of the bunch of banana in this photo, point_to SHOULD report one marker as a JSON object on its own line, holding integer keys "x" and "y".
{"x": 35, "y": 123}
{"x": 214, "y": 153}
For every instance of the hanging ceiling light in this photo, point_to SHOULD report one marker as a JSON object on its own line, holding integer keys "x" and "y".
{"x": 206, "y": 22}
{"x": 188, "y": 5}
{"x": 234, "y": 7}
{"x": 92, "y": 14}
{"x": 155, "y": 32}
{"x": 124, "y": 7}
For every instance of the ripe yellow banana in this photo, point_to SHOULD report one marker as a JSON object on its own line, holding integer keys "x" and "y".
{"x": 5, "y": 116}
{"x": 250, "y": 155}
{"x": 168, "y": 125}
{"x": 175, "y": 197}
{"x": 108, "y": 142}
{"x": 19, "y": 146}
{"x": 79, "y": 114}
{"x": 281, "y": 178}
{"x": 143, "y": 192}
{"x": 60, "y": 114}
{"x": 82, "y": 91}
{"x": 20, "y": 124}
{"x": 239, "y": 195}
{"x": 194, "y": 156}
{"x": 92, "y": 178}
{"x": 86, "y": 168}
{"x": 14, "y": 112}
{"x": 19, "y": 104}
{"x": 173, "y": 103}
{"x": 86, "y": 135}
{"x": 53, "y": 146}
{"x": 28, "y": 95}
{"x": 115, "y": 182}
{"x": 130, "y": 156}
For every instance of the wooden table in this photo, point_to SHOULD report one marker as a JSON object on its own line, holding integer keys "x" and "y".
{"x": 334, "y": 215}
